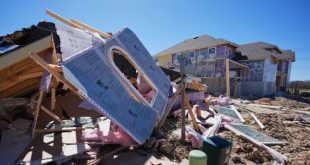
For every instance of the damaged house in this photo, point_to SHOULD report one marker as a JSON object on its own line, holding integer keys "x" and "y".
{"x": 270, "y": 68}
{"x": 258, "y": 69}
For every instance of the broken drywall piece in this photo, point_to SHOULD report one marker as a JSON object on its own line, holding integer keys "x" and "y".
{"x": 89, "y": 66}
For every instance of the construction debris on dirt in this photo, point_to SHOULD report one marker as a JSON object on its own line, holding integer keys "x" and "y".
{"x": 71, "y": 94}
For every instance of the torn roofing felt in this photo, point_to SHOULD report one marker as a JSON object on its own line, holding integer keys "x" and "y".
{"x": 27, "y": 36}
{"x": 88, "y": 64}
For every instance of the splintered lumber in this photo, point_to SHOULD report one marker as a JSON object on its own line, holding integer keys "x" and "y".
{"x": 62, "y": 19}
{"x": 87, "y": 27}
{"x": 281, "y": 159}
{"x": 52, "y": 114}
{"x": 257, "y": 121}
{"x": 190, "y": 111}
{"x": 169, "y": 106}
{"x": 36, "y": 114}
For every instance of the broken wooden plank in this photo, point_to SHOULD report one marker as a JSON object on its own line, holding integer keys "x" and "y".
{"x": 87, "y": 27}
{"x": 36, "y": 114}
{"x": 49, "y": 130}
{"x": 191, "y": 113}
{"x": 61, "y": 19}
{"x": 257, "y": 120}
{"x": 267, "y": 106}
{"x": 52, "y": 114}
{"x": 56, "y": 74}
{"x": 169, "y": 106}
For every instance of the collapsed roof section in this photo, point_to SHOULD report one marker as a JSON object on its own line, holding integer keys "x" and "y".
{"x": 263, "y": 50}
{"x": 92, "y": 65}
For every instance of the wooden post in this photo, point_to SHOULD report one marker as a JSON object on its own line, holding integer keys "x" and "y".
{"x": 87, "y": 27}
{"x": 36, "y": 114}
{"x": 169, "y": 106}
{"x": 52, "y": 114}
{"x": 227, "y": 79}
{"x": 183, "y": 112}
{"x": 191, "y": 113}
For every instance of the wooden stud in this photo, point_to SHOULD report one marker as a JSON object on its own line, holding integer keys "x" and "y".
{"x": 56, "y": 74}
{"x": 169, "y": 106}
{"x": 87, "y": 27}
{"x": 62, "y": 19}
{"x": 58, "y": 130}
{"x": 191, "y": 113}
{"x": 227, "y": 79}
{"x": 52, "y": 114}
{"x": 36, "y": 115}
{"x": 53, "y": 97}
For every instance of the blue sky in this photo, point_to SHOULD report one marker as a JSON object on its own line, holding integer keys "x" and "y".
{"x": 162, "y": 23}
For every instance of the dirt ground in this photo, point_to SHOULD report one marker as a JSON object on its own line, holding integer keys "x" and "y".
{"x": 295, "y": 137}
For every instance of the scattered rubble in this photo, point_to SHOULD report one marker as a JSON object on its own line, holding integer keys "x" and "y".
{"x": 65, "y": 117}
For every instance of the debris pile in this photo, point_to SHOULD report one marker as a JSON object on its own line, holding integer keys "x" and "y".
{"x": 73, "y": 94}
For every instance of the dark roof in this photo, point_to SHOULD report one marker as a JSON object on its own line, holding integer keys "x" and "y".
{"x": 258, "y": 50}
{"x": 287, "y": 54}
{"x": 195, "y": 43}
{"x": 26, "y": 36}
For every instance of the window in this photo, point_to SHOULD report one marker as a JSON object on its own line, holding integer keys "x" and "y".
{"x": 140, "y": 87}
{"x": 211, "y": 50}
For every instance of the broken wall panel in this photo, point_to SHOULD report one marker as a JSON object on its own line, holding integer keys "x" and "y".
{"x": 94, "y": 73}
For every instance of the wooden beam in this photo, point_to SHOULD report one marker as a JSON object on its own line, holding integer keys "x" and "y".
{"x": 58, "y": 130}
{"x": 227, "y": 79}
{"x": 52, "y": 115}
{"x": 191, "y": 113}
{"x": 257, "y": 121}
{"x": 87, "y": 27}
{"x": 13, "y": 57}
{"x": 169, "y": 106}
{"x": 62, "y": 19}
{"x": 36, "y": 114}
{"x": 56, "y": 74}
